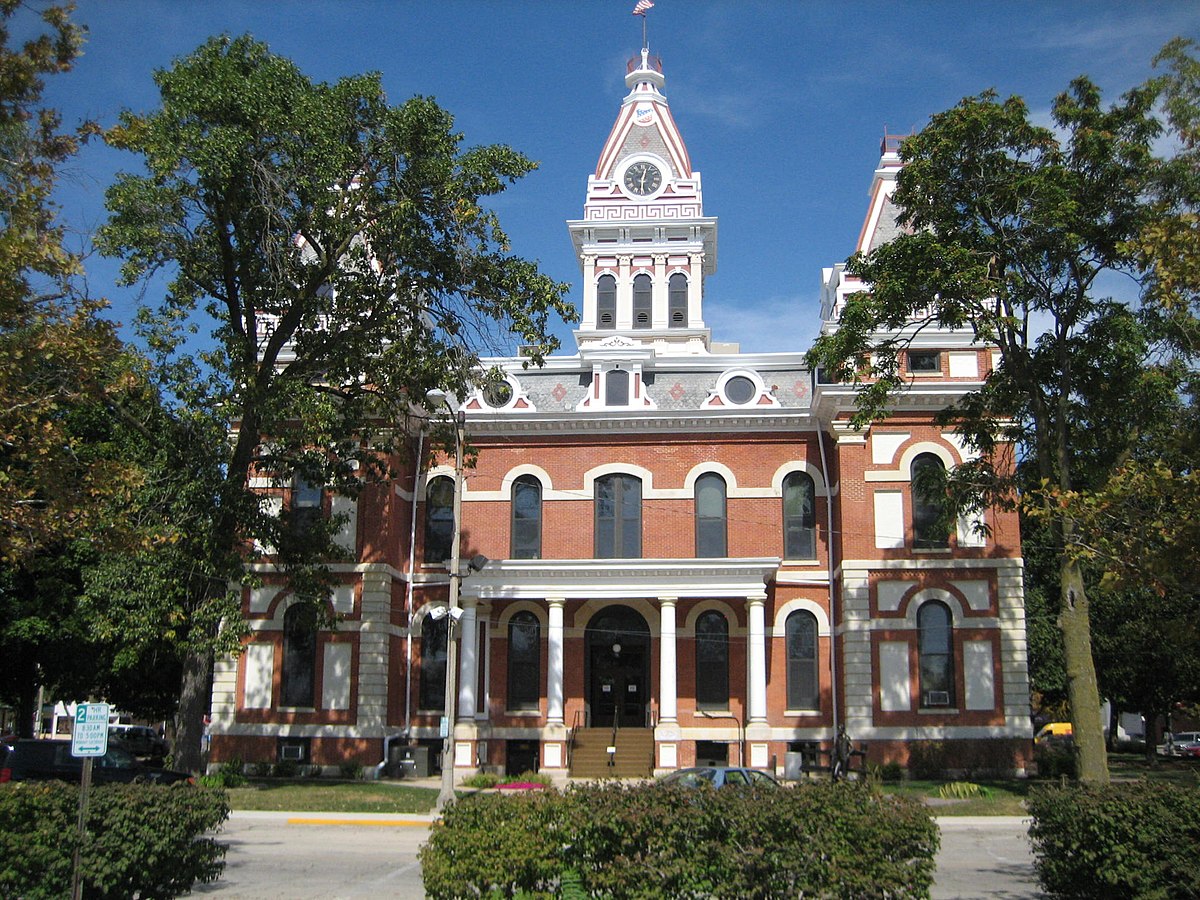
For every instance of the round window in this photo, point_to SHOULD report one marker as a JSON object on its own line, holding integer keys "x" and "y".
{"x": 498, "y": 394}
{"x": 739, "y": 389}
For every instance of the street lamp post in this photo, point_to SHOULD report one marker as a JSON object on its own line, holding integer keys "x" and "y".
{"x": 446, "y": 794}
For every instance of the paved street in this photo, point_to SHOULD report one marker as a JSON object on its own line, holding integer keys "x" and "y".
{"x": 340, "y": 856}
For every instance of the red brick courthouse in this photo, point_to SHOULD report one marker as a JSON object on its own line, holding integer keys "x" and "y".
{"x": 688, "y": 546}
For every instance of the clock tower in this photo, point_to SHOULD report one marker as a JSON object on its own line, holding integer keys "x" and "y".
{"x": 644, "y": 243}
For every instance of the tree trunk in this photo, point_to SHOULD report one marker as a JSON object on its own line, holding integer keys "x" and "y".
{"x": 1075, "y": 624}
{"x": 27, "y": 712}
{"x": 194, "y": 692}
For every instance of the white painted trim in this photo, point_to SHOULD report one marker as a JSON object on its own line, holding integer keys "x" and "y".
{"x": 779, "y": 627}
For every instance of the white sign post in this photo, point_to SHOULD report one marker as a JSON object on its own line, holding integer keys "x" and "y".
{"x": 90, "y": 734}
{"x": 89, "y": 739}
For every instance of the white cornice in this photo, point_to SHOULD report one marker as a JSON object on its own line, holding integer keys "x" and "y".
{"x": 609, "y": 579}
{"x": 632, "y": 421}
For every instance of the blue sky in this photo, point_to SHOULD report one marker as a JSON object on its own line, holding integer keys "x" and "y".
{"x": 782, "y": 104}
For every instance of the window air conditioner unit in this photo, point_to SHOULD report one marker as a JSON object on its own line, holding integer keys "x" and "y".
{"x": 292, "y": 752}
{"x": 937, "y": 698}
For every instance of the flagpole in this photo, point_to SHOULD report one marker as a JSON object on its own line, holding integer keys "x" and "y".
{"x": 645, "y": 45}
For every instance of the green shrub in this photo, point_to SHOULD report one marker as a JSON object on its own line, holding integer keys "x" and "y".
{"x": 228, "y": 775}
{"x": 142, "y": 840}
{"x": 612, "y": 839}
{"x": 927, "y": 760}
{"x": 260, "y": 769}
{"x": 351, "y": 770}
{"x": 891, "y": 772}
{"x": 1116, "y": 841}
{"x": 963, "y": 790}
{"x": 482, "y": 780}
{"x": 285, "y": 768}
{"x": 529, "y": 778}
{"x": 1056, "y": 762}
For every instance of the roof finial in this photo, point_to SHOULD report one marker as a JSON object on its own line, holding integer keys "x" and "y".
{"x": 639, "y": 9}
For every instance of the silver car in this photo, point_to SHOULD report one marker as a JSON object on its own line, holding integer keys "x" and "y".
{"x": 719, "y": 776}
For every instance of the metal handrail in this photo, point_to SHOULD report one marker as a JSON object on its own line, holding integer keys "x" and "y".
{"x": 571, "y": 738}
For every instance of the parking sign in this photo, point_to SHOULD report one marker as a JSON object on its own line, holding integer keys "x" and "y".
{"x": 90, "y": 735}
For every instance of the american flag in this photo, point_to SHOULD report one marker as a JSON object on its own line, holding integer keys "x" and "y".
{"x": 641, "y": 7}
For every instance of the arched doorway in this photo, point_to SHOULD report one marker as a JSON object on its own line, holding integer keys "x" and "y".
{"x": 618, "y": 659}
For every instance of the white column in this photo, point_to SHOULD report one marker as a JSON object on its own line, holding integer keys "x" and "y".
{"x": 554, "y": 666}
{"x": 588, "y": 321}
{"x": 666, "y": 660}
{"x": 695, "y": 289}
{"x": 659, "y": 317}
{"x": 624, "y": 293}
{"x": 756, "y": 650}
{"x": 468, "y": 656}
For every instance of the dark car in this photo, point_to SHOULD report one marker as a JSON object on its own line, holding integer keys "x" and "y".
{"x": 140, "y": 740}
{"x": 719, "y": 776}
{"x": 33, "y": 760}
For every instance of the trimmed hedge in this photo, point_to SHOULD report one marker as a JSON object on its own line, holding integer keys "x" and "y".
{"x": 610, "y": 839}
{"x": 1121, "y": 840}
{"x": 142, "y": 840}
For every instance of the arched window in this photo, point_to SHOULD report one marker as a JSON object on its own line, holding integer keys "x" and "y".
{"x": 799, "y": 516}
{"x": 677, "y": 301}
{"x": 712, "y": 661}
{"x": 606, "y": 302}
{"x": 526, "y": 518}
{"x": 299, "y": 656}
{"x": 935, "y": 630}
{"x": 439, "y": 519}
{"x": 524, "y": 661}
{"x": 710, "y": 516}
{"x": 616, "y": 388}
{"x": 643, "y": 300}
{"x": 803, "y": 686}
{"x": 432, "y": 689}
{"x": 928, "y": 503}
{"x": 618, "y": 517}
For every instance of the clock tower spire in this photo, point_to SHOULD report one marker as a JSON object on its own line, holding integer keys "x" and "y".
{"x": 644, "y": 243}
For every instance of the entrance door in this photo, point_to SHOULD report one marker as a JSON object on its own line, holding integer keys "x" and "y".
{"x": 618, "y": 656}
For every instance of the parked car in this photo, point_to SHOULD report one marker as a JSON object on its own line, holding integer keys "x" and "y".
{"x": 719, "y": 776}
{"x": 33, "y": 760}
{"x": 1054, "y": 733}
{"x": 140, "y": 740}
{"x": 1183, "y": 743}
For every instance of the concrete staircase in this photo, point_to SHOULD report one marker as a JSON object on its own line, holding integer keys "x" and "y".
{"x": 634, "y": 757}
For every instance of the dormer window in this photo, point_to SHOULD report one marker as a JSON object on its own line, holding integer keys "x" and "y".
{"x": 643, "y": 299}
{"x": 606, "y": 302}
{"x": 740, "y": 390}
{"x": 616, "y": 388}
{"x": 498, "y": 394}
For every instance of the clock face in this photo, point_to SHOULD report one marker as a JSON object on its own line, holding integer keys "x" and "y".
{"x": 642, "y": 178}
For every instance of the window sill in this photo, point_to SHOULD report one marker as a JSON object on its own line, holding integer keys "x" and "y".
{"x": 937, "y": 711}
{"x": 934, "y": 551}
{"x": 814, "y": 711}
{"x": 806, "y": 561}
{"x": 524, "y": 713}
{"x": 296, "y": 709}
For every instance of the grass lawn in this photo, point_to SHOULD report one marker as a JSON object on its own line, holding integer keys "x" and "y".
{"x": 1006, "y": 796}
{"x": 331, "y": 796}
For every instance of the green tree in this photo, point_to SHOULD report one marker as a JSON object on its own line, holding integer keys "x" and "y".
{"x": 54, "y": 350}
{"x": 1010, "y": 227}
{"x": 342, "y": 249}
